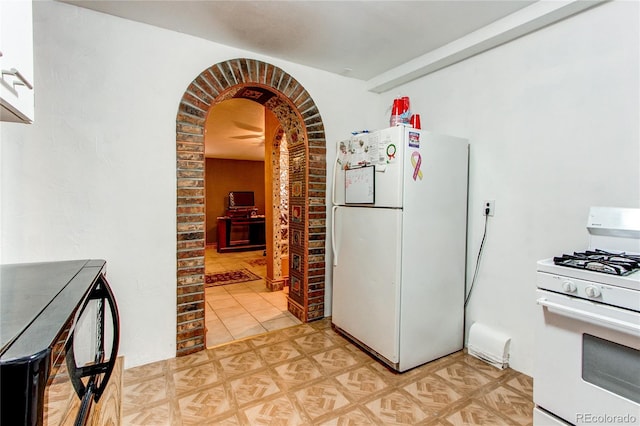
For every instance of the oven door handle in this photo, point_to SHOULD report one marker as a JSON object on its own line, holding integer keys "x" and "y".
{"x": 597, "y": 319}
{"x": 97, "y": 374}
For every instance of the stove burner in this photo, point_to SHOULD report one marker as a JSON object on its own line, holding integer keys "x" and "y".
{"x": 601, "y": 261}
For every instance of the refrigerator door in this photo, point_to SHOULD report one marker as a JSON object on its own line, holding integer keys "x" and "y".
{"x": 366, "y": 276}
{"x": 383, "y": 149}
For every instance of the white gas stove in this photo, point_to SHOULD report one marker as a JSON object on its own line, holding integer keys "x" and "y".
{"x": 587, "y": 366}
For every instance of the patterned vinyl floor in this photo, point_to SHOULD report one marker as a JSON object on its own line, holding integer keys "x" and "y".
{"x": 309, "y": 375}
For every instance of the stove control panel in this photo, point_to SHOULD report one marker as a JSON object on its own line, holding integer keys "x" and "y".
{"x": 592, "y": 291}
{"x": 569, "y": 286}
{"x": 589, "y": 290}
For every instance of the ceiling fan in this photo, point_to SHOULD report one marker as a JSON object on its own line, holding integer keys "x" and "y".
{"x": 255, "y": 133}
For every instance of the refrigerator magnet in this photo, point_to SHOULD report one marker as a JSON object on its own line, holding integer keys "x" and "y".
{"x": 359, "y": 185}
{"x": 416, "y": 162}
{"x": 414, "y": 139}
{"x": 391, "y": 152}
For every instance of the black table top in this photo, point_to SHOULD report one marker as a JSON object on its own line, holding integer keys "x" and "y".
{"x": 38, "y": 299}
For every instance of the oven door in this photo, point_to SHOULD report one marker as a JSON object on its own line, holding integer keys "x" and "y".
{"x": 83, "y": 359}
{"x": 587, "y": 363}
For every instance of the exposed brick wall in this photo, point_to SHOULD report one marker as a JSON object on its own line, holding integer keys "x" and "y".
{"x": 301, "y": 121}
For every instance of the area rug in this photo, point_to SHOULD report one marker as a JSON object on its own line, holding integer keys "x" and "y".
{"x": 229, "y": 277}
{"x": 257, "y": 262}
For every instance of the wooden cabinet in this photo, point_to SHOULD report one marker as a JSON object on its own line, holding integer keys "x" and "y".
{"x": 251, "y": 228}
{"x": 16, "y": 62}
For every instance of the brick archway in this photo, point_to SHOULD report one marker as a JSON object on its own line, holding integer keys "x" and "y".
{"x": 301, "y": 121}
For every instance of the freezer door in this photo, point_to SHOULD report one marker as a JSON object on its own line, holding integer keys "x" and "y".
{"x": 366, "y": 276}
{"x": 383, "y": 149}
{"x": 390, "y": 143}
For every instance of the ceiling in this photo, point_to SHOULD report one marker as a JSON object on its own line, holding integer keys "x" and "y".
{"x": 357, "y": 39}
{"x": 235, "y": 130}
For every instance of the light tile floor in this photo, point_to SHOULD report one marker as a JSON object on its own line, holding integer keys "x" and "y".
{"x": 236, "y": 311}
{"x": 309, "y": 375}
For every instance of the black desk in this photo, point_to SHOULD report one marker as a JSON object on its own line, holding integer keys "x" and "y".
{"x": 254, "y": 230}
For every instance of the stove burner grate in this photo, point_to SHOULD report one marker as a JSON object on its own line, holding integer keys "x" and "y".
{"x": 601, "y": 261}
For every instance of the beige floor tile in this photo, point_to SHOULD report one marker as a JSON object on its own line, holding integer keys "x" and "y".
{"x": 475, "y": 414}
{"x": 293, "y": 332}
{"x": 335, "y": 359}
{"x": 253, "y": 388}
{"x": 200, "y": 407}
{"x": 144, "y": 372}
{"x": 321, "y": 399}
{"x": 279, "y": 352}
{"x": 256, "y": 286}
{"x": 243, "y": 319}
{"x": 241, "y": 363}
{"x": 353, "y": 417}
{"x": 145, "y": 393}
{"x": 238, "y": 289}
{"x": 396, "y": 408}
{"x": 159, "y": 415}
{"x": 522, "y": 383}
{"x": 216, "y": 290}
{"x": 463, "y": 377}
{"x": 231, "y": 312}
{"x": 229, "y": 349}
{"x": 210, "y": 315}
{"x": 252, "y": 297}
{"x": 263, "y": 314}
{"x": 250, "y": 301}
{"x": 434, "y": 393}
{"x": 190, "y": 379}
{"x": 315, "y": 342}
{"x": 309, "y": 375}
{"x": 188, "y": 361}
{"x": 280, "y": 322}
{"x": 297, "y": 373}
{"x": 222, "y": 302}
{"x": 216, "y": 331}
{"x": 278, "y": 411}
{"x": 513, "y": 405}
{"x": 268, "y": 339}
{"x": 362, "y": 382}
{"x": 274, "y": 297}
{"x": 246, "y": 330}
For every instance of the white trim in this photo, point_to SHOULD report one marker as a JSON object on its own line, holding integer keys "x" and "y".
{"x": 524, "y": 21}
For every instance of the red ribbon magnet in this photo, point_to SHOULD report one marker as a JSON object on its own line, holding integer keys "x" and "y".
{"x": 416, "y": 161}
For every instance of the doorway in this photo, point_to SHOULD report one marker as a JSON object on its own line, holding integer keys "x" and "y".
{"x": 246, "y": 187}
{"x": 302, "y": 124}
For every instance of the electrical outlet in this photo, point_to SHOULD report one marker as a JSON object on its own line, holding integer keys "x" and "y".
{"x": 489, "y": 208}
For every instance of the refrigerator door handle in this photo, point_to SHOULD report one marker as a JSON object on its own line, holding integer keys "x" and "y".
{"x": 333, "y": 235}
{"x": 335, "y": 169}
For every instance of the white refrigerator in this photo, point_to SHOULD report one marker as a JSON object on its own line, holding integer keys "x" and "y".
{"x": 399, "y": 244}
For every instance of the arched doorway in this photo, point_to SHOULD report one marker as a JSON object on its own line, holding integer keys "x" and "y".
{"x": 301, "y": 122}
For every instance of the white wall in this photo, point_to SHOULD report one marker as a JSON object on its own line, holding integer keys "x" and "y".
{"x": 94, "y": 176}
{"x": 552, "y": 120}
